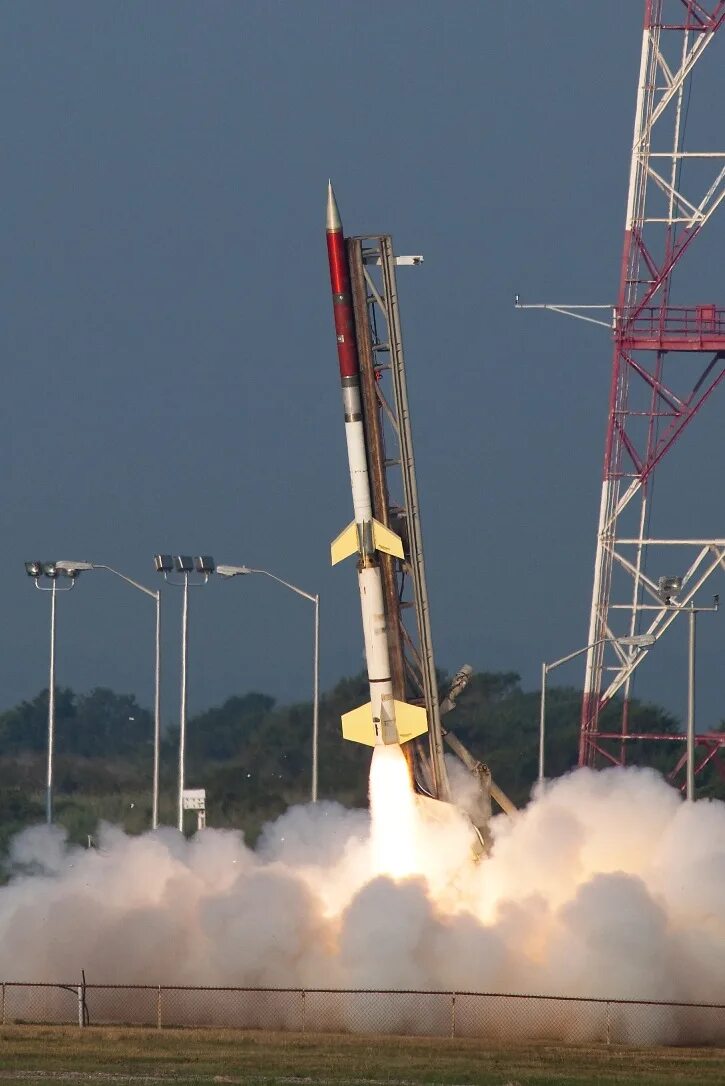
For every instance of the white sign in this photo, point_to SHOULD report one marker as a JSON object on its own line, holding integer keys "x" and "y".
{"x": 194, "y": 799}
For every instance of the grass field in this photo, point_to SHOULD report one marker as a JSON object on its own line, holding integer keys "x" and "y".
{"x": 121, "y": 1056}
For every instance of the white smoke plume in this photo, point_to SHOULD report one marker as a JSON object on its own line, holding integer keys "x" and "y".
{"x": 606, "y": 885}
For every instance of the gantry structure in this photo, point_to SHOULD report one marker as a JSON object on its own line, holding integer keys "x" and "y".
{"x": 668, "y": 360}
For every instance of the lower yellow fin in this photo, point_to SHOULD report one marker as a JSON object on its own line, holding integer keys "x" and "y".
{"x": 358, "y": 725}
{"x": 410, "y": 720}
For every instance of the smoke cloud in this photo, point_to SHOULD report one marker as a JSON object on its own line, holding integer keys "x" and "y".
{"x": 606, "y": 885}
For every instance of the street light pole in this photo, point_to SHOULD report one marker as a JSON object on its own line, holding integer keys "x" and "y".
{"x": 238, "y": 571}
{"x": 157, "y": 716}
{"x": 639, "y": 641}
{"x": 692, "y": 616}
{"x": 182, "y": 709}
{"x": 51, "y": 712}
{"x": 184, "y": 564}
{"x": 156, "y": 596}
{"x": 67, "y": 566}
{"x": 542, "y": 719}
{"x": 667, "y": 589}
{"x": 50, "y": 570}
{"x": 316, "y": 699}
{"x": 692, "y": 613}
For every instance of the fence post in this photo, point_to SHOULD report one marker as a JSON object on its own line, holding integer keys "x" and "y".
{"x": 302, "y": 994}
{"x": 3, "y": 1004}
{"x": 80, "y": 1007}
{"x": 158, "y": 1008}
{"x": 453, "y": 1014}
{"x": 609, "y": 1023}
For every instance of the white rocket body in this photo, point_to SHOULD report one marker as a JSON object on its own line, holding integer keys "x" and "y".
{"x": 375, "y": 630}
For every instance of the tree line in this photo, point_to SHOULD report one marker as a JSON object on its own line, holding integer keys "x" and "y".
{"x": 253, "y": 756}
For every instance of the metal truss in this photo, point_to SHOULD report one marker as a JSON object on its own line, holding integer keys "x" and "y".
{"x": 668, "y": 360}
{"x": 391, "y": 465}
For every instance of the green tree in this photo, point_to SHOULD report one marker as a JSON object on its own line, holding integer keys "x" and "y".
{"x": 25, "y": 727}
{"x": 254, "y": 756}
{"x": 105, "y": 724}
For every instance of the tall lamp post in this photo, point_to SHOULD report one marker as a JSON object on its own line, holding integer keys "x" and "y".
{"x": 50, "y": 571}
{"x": 185, "y": 565}
{"x": 66, "y": 566}
{"x": 239, "y": 571}
{"x": 692, "y": 613}
{"x": 638, "y": 641}
{"x": 667, "y": 589}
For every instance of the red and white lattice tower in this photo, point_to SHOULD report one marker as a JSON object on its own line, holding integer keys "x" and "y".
{"x": 668, "y": 359}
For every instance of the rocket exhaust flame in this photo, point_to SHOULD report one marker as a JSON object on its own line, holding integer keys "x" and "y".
{"x": 393, "y": 815}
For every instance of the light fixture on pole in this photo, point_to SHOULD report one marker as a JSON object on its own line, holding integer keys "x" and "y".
{"x": 68, "y": 566}
{"x": 240, "y": 571}
{"x": 50, "y": 571}
{"x": 637, "y": 641}
{"x": 185, "y": 565}
{"x": 667, "y": 589}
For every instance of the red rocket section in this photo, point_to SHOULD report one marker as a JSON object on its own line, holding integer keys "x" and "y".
{"x": 342, "y": 304}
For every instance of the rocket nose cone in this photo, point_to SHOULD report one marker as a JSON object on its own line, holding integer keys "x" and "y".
{"x": 334, "y": 222}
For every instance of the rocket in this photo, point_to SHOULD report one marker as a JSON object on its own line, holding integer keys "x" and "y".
{"x": 383, "y": 720}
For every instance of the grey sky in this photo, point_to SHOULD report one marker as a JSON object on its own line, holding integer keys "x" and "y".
{"x": 168, "y": 349}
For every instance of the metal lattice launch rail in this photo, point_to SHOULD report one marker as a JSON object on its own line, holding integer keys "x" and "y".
{"x": 390, "y": 447}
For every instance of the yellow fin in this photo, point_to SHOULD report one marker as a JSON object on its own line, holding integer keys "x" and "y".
{"x": 386, "y": 541}
{"x": 358, "y": 727}
{"x": 410, "y": 720}
{"x": 347, "y": 543}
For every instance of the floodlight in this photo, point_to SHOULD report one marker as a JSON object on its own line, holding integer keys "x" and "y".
{"x": 637, "y": 641}
{"x": 72, "y": 569}
{"x": 164, "y": 563}
{"x": 33, "y": 569}
{"x": 667, "y": 587}
{"x": 204, "y": 563}
{"x": 50, "y": 569}
{"x": 66, "y": 566}
{"x": 183, "y": 563}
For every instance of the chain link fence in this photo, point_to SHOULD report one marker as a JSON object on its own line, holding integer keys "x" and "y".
{"x": 493, "y": 1016}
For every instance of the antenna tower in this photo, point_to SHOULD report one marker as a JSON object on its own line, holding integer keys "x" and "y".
{"x": 668, "y": 360}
